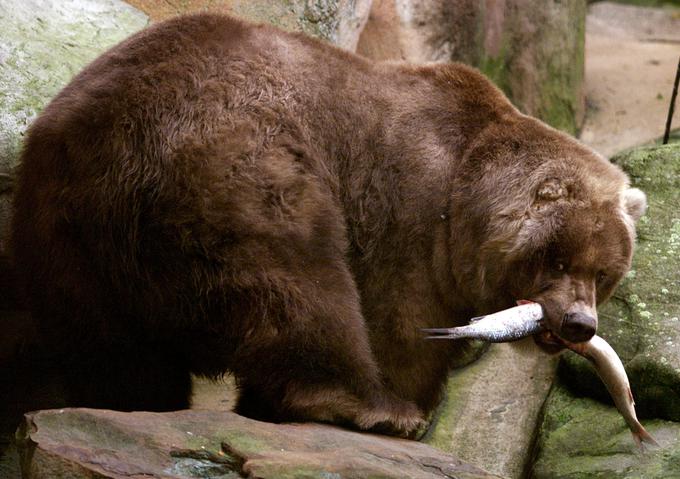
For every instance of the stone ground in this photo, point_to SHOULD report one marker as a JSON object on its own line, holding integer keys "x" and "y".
{"x": 79, "y": 443}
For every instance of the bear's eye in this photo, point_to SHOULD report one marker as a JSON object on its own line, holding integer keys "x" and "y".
{"x": 601, "y": 276}
{"x": 559, "y": 266}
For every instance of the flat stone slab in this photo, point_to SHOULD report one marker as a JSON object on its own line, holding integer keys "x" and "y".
{"x": 86, "y": 443}
{"x": 492, "y": 407}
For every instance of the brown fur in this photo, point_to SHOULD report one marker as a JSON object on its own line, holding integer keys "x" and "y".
{"x": 212, "y": 196}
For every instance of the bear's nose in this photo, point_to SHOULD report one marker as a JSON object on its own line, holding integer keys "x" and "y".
{"x": 578, "y": 327}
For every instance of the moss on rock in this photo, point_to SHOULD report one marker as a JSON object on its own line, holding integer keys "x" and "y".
{"x": 642, "y": 321}
{"x": 538, "y": 61}
{"x": 44, "y": 44}
{"x": 583, "y": 437}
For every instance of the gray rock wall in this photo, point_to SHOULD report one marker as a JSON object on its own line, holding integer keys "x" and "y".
{"x": 534, "y": 51}
{"x": 44, "y": 44}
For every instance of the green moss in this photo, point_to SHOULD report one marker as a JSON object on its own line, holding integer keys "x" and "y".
{"x": 441, "y": 433}
{"x": 243, "y": 442}
{"x": 320, "y": 18}
{"x": 642, "y": 321}
{"x": 560, "y": 86}
{"x": 280, "y": 14}
{"x": 581, "y": 438}
{"x": 496, "y": 68}
{"x": 288, "y": 471}
{"x": 542, "y": 71}
{"x": 43, "y": 49}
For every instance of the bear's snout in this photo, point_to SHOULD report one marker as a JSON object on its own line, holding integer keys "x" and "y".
{"x": 577, "y": 327}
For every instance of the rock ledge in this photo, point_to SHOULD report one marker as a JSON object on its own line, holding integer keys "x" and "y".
{"x": 87, "y": 443}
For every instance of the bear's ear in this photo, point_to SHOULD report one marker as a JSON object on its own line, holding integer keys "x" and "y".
{"x": 550, "y": 191}
{"x": 635, "y": 202}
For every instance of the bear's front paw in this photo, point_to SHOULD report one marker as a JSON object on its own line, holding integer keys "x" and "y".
{"x": 394, "y": 417}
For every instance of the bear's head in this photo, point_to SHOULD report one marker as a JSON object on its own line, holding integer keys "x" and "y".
{"x": 577, "y": 250}
{"x": 553, "y": 221}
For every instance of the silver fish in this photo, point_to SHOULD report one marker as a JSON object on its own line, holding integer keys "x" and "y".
{"x": 610, "y": 369}
{"x": 507, "y": 325}
{"x": 527, "y": 319}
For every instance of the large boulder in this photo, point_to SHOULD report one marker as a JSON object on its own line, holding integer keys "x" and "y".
{"x": 492, "y": 407}
{"x": 581, "y": 437}
{"x": 337, "y": 21}
{"x": 44, "y": 44}
{"x": 534, "y": 51}
{"x": 85, "y": 443}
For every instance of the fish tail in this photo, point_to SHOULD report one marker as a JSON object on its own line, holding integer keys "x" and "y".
{"x": 640, "y": 435}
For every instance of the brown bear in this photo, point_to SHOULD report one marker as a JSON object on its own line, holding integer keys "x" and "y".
{"x": 212, "y": 196}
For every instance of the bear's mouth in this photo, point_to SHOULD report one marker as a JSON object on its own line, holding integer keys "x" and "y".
{"x": 549, "y": 342}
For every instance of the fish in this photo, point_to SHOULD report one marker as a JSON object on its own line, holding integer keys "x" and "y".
{"x": 507, "y": 325}
{"x": 612, "y": 373}
{"x": 526, "y": 319}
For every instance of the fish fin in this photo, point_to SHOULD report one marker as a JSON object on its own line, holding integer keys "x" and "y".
{"x": 476, "y": 318}
{"x": 642, "y": 437}
{"x": 630, "y": 396}
{"x": 520, "y": 302}
{"x": 437, "y": 330}
{"x": 443, "y": 333}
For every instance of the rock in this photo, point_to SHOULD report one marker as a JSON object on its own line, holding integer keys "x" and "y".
{"x": 581, "y": 438}
{"x": 491, "y": 408}
{"x": 534, "y": 52}
{"x": 215, "y": 395}
{"x": 88, "y": 443}
{"x": 338, "y": 21}
{"x": 642, "y": 321}
{"x": 44, "y": 44}
{"x": 536, "y": 55}
{"x": 419, "y": 31}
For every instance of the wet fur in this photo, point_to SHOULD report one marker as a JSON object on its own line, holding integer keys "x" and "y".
{"x": 212, "y": 196}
